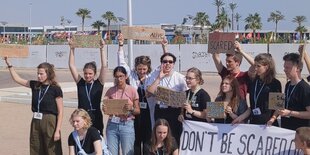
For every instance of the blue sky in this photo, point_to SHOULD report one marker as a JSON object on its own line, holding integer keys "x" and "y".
{"x": 48, "y": 12}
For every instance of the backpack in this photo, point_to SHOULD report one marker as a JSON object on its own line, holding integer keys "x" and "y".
{"x": 105, "y": 150}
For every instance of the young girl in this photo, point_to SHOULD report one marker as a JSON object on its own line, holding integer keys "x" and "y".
{"x": 197, "y": 98}
{"x": 89, "y": 89}
{"x": 88, "y": 137}
{"x": 162, "y": 142}
{"x": 229, "y": 92}
{"x": 137, "y": 77}
{"x": 260, "y": 87}
{"x": 120, "y": 128}
{"x": 47, "y": 108}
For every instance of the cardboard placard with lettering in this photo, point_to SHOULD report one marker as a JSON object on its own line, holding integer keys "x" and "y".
{"x": 170, "y": 97}
{"x": 216, "y": 109}
{"x": 14, "y": 51}
{"x": 221, "y": 42}
{"x": 276, "y": 100}
{"x": 86, "y": 41}
{"x": 142, "y": 33}
{"x": 115, "y": 106}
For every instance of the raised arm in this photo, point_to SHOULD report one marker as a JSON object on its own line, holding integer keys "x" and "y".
{"x": 164, "y": 44}
{"x": 248, "y": 57}
{"x": 217, "y": 61}
{"x": 14, "y": 75}
{"x": 72, "y": 66}
{"x": 120, "y": 54}
{"x": 104, "y": 68}
{"x": 304, "y": 55}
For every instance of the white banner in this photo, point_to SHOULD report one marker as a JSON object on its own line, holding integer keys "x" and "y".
{"x": 213, "y": 139}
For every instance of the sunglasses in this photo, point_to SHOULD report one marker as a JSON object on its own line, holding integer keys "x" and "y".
{"x": 167, "y": 61}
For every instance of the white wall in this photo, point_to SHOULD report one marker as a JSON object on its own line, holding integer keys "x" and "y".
{"x": 187, "y": 55}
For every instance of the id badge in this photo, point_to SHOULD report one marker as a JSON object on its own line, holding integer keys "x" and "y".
{"x": 37, "y": 115}
{"x": 115, "y": 119}
{"x": 143, "y": 105}
{"x": 163, "y": 105}
{"x": 256, "y": 111}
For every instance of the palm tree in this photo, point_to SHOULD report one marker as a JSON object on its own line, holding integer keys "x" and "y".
{"x": 301, "y": 29}
{"x": 254, "y": 23}
{"x": 276, "y": 17}
{"x": 218, "y": 4}
{"x": 97, "y": 24}
{"x": 109, "y": 16}
{"x": 232, "y": 7}
{"x": 201, "y": 19}
{"x": 223, "y": 20}
{"x": 83, "y": 13}
{"x": 299, "y": 20}
{"x": 237, "y": 16}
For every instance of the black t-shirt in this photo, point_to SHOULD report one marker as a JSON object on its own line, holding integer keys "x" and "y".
{"x": 87, "y": 143}
{"x": 95, "y": 94}
{"x": 198, "y": 103}
{"x": 242, "y": 107}
{"x": 262, "y": 93}
{"x": 161, "y": 150}
{"x": 298, "y": 101}
{"x": 47, "y": 94}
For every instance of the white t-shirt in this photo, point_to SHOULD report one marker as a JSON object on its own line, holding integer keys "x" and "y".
{"x": 175, "y": 82}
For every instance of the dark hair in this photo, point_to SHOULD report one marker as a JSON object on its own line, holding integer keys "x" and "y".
{"x": 144, "y": 60}
{"x": 267, "y": 60}
{"x": 122, "y": 70}
{"x": 237, "y": 57}
{"x": 50, "y": 72}
{"x": 234, "y": 101}
{"x": 91, "y": 65}
{"x": 167, "y": 141}
{"x": 295, "y": 59}
{"x": 168, "y": 54}
{"x": 197, "y": 73}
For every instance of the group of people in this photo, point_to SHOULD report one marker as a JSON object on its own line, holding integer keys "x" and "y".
{"x": 152, "y": 127}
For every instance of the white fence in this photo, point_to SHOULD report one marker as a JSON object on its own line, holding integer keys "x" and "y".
{"x": 188, "y": 55}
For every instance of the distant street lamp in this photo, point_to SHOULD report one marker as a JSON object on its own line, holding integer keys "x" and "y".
{"x": 30, "y": 34}
{"x": 3, "y": 24}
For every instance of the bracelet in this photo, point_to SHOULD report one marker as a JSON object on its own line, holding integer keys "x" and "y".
{"x": 120, "y": 44}
{"x": 10, "y": 66}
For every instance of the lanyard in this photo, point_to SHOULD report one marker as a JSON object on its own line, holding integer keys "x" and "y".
{"x": 256, "y": 95}
{"x": 195, "y": 92}
{"x": 122, "y": 92}
{"x": 288, "y": 95}
{"x": 167, "y": 80}
{"x": 41, "y": 97}
{"x": 88, "y": 95}
{"x": 141, "y": 86}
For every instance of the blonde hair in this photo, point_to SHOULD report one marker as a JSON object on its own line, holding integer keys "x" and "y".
{"x": 85, "y": 116}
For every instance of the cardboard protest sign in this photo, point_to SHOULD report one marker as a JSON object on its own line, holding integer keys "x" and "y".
{"x": 216, "y": 109}
{"x": 276, "y": 100}
{"x": 115, "y": 106}
{"x": 86, "y": 41}
{"x": 14, "y": 51}
{"x": 170, "y": 97}
{"x": 221, "y": 42}
{"x": 142, "y": 33}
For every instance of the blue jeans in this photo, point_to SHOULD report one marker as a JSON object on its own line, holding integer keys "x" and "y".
{"x": 123, "y": 134}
